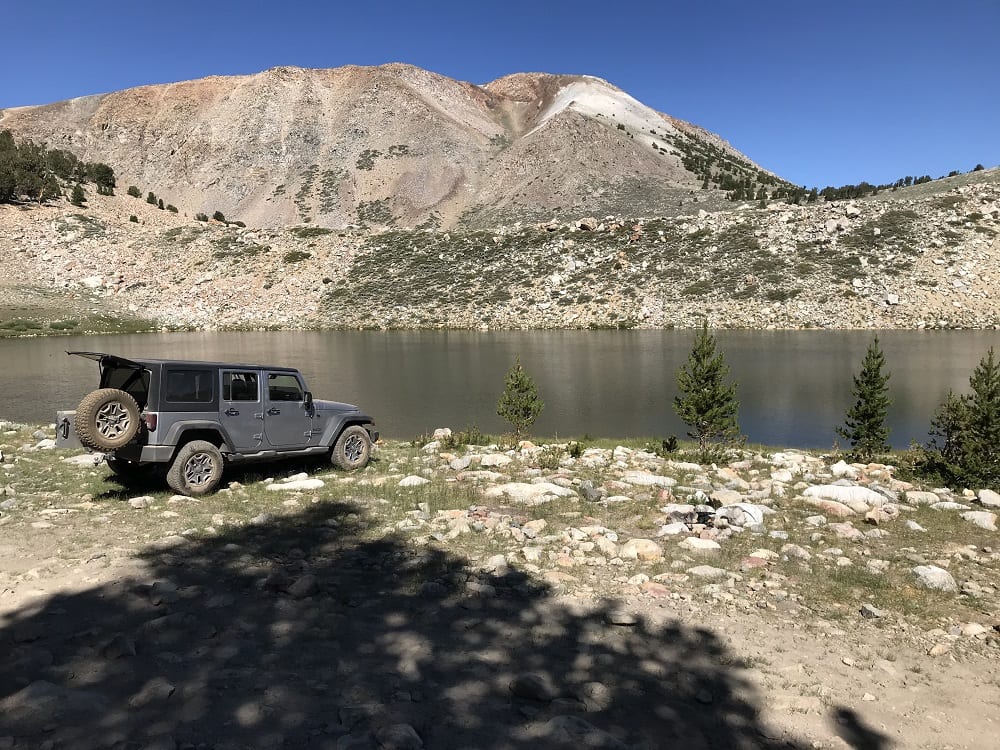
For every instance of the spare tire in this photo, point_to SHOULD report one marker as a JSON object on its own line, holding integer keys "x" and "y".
{"x": 107, "y": 419}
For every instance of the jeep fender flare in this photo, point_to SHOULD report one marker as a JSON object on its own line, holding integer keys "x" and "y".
{"x": 177, "y": 435}
{"x": 335, "y": 426}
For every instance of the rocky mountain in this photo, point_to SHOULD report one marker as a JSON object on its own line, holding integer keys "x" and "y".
{"x": 926, "y": 256}
{"x": 394, "y": 146}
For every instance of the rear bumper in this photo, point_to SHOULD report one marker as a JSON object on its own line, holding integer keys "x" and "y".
{"x": 152, "y": 454}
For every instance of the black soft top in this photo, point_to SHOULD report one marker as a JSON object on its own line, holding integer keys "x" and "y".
{"x": 113, "y": 360}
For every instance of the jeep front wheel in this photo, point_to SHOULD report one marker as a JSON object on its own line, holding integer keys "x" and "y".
{"x": 107, "y": 419}
{"x": 196, "y": 469}
{"x": 352, "y": 449}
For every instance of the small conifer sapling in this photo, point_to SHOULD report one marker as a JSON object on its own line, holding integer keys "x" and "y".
{"x": 864, "y": 425}
{"x": 519, "y": 403}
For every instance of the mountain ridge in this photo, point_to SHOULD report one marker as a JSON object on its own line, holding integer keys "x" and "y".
{"x": 390, "y": 145}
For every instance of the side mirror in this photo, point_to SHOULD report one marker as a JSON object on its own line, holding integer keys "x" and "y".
{"x": 307, "y": 399}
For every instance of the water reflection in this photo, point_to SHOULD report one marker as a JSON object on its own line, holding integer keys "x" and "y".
{"x": 794, "y": 386}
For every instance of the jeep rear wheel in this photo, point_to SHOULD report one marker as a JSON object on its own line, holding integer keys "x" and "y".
{"x": 107, "y": 419}
{"x": 196, "y": 469}
{"x": 352, "y": 449}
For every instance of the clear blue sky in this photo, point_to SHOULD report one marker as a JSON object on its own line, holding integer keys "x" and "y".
{"x": 820, "y": 93}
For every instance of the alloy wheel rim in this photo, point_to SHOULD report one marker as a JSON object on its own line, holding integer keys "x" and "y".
{"x": 354, "y": 448}
{"x": 199, "y": 469}
{"x": 112, "y": 420}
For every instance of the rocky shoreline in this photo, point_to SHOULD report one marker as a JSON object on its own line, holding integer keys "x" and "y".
{"x": 476, "y": 596}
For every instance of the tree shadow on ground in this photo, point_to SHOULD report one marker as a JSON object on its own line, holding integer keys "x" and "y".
{"x": 308, "y": 633}
{"x": 852, "y": 730}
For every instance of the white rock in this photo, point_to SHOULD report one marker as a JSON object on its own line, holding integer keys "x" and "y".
{"x": 989, "y": 499}
{"x": 921, "y": 497}
{"x": 641, "y": 549}
{"x": 495, "y": 459}
{"x": 646, "y": 479}
{"x": 683, "y": 466}
{"x": 707, "y": 571}
{"x": 858, "y": 499}
{"x": 297, "y": 484}
{"x": 85, "y": 459}
{"x": 742, "y": 514}
{"x": 843, "y": 469}
{"x": 411, "y": 481}
{"x": 933, "y": 577}
{"x": 972, "y": 629}
{"x": 442, "y": 433}
{"x": 696, "y": 544}
{"x": 533, "y": 494}
{"x": 914, "y": 526}
{"x": 982, "y": 518}
{"x": 948, "y": 505}
{"x": 673, "y": 529}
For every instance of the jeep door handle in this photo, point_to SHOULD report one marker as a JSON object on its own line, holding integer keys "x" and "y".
{"x": 274, "y": 410}
{"x": 231, "y": 412}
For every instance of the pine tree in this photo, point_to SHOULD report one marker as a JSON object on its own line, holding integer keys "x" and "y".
{"x": 706, "y": 404}
{"x": 77, "y": 197}
{"x": 981, "y": 433}
{"x": 519, "y": 403}
{"x": 865, "y": 425}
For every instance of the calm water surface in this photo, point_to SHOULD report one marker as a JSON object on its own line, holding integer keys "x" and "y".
{"x": 794, "y": 386}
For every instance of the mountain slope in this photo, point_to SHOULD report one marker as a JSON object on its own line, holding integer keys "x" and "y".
{"x": 392, "y": 145}
{"x": 926, "y": 256}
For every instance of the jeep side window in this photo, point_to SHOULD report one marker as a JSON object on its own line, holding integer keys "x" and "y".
{"x": 283, "y": 387}
{"x": 189, "y": 386}
{"x": 239, "y": 386}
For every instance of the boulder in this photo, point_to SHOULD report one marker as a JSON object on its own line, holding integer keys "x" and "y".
{"x": 646, "y": 479}
{"x": 982, "y": 518}
{"x": 989, "y": 499}
{"x": 641, "y": 549}
{"x": 413, "y": 481}
{"x": 933, "y": 577}
{"x": 858, "y": 499}
{"x": 703, "y": 546}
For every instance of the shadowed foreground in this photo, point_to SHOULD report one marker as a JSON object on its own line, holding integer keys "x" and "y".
{"x": 300, "y": 633}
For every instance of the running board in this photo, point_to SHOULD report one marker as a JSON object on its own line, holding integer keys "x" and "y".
{"x": 266, "y": 455}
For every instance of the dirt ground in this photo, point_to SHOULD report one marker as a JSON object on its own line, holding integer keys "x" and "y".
{"x": 251, "y": 619}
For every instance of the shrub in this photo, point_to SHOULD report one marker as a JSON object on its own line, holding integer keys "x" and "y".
{"x": 201, "y": 217}
{"x": 151, "y": 198}
{"x": 219, "y": 216}
{"x": 550, "y": 457}
{"x": 134, "y": 191}
{"x": 78, "y": 197}
{"x": 171, "y": 208}
{"x": 965, "y": 433}
{"x": 134, "y": 219}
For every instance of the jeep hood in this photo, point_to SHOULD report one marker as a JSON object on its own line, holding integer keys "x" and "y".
{"x": 333, "y": 406}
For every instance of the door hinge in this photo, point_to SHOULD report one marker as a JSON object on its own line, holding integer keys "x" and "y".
{"x": 258, "y": 436}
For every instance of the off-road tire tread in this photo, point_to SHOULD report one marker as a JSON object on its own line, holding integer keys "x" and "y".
{"x": 337, "y": 457}
{"x": 86, "y": 415}
{"x": 175, "y": 474}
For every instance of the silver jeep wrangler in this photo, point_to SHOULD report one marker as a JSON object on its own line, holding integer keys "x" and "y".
{"x": 195, "y": 417}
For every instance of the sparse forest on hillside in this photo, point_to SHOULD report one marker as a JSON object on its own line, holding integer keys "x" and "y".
{"x": 30, "y": 171}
